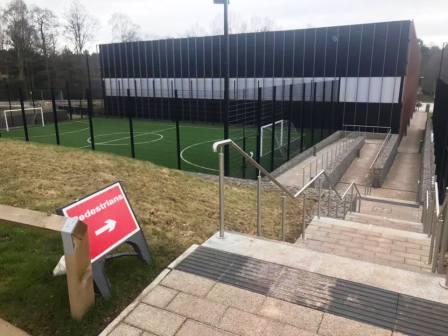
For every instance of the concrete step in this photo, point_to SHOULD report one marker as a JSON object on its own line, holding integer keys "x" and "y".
{"x": 391, "y": 201}
{"x": 385, "y": 222}
{"x": 375, "y": 244}
{"x": 393, "y": 210}
{"x": 419, "y": 284}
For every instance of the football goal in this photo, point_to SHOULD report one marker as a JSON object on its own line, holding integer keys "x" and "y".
{"x": 281, "y": 138}
{"x": 281, "y": 130}
{"x": 14, "y": 118}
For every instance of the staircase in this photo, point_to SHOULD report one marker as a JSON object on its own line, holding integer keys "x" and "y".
{"x": 368, "y": 241}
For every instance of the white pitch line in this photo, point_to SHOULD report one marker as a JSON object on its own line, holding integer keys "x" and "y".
{"x": 194, "y": 164}
{"x": 109, "y": 142}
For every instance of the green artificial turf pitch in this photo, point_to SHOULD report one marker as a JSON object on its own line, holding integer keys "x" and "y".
{"x": 156, "y": 141}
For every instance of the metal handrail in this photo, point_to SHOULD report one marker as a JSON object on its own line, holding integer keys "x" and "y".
{"x": 222, "y": 143}
{"x": 368, "y": 186}
{"x": 435, "y": 222}
{"x": 219, "y": 145}
{"x": 383, "y": 144}
{"x": 365, "y": 126}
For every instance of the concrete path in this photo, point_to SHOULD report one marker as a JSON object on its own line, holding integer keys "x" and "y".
{"x": 403, "y": 177}
{"x": 359, "y": 169}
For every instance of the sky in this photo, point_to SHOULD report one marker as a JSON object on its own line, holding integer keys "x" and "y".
{"x": 173, "y": 18}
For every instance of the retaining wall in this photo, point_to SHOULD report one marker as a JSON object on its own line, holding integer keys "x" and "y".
{"x": 307, "y": 153}
{"x": 343, "y": 161}
{"x": 427, "y": 169}
{"x": 385, "y": 161}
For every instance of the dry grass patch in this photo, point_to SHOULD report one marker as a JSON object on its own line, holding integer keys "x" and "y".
{"x": 175, "y": 209}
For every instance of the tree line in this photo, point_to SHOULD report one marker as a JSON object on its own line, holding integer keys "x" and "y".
{"x": 39, "y": 50}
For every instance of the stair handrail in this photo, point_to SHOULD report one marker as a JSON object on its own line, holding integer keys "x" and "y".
{"x": 380, "y": 150}
{"x": 218, "y": 148}
{"x": 435, "y": 224}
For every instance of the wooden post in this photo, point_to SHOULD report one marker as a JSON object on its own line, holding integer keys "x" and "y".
{"x": 76, "y": 251}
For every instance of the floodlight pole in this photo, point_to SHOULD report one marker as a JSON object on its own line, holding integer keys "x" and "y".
{"x": 225, "y": 61}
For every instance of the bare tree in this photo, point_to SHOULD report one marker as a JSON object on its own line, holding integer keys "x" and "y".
{"x": 123, "y": 29}
{"x": 19, "y": 32}
{"x": 239, "y": 25}
{"x": 46, "y": 25}
{"x": 195, "y": 31}
{"x": 2, "y": 33}
{"x": 262, "y": 24}
{"x": 79, "y": 27}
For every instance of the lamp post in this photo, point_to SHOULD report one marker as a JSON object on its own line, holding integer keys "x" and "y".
{"x": 225, "y": 60}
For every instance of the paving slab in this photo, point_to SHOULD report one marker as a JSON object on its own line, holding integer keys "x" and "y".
{"x": 155, "y": 320}
{"x": 298, "y": 316}
{"x": 243, "y": 323}
{"x": 194, "y": 328}
{"x": 236, "y": 297}
{"x": 188, "y": 283}
{"x": 199, "y": 309}
{"x": 333, "y": 325}
{"x": 126, "y": 330}
{"x": 160, "y": 296}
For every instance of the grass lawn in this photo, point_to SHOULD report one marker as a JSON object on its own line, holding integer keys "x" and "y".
{"x": 156, "y": 141}
{"x": 175, "y": 210}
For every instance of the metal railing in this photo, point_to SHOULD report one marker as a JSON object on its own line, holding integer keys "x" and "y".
{"x": 365, "y": 129}
{"x": 349, "y": 204}
{"x": 435, "y": 224}
{"x": 368, "y": 187}
{"x": 325, "y": 159}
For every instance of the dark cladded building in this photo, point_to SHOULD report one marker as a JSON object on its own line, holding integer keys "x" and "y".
{"x": 370, "y": 70}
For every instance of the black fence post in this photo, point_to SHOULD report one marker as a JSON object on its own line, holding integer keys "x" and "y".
{"x": 314, "y": 88}
{"x": 80, "y": 105}
{"x": 259, "y": 107}
{"x": 177, "y": 112}
{"x": 131, "y": 126}
{"x": 302, "y": 117}
{"x": 288, "y": 151}
{"x": 89, "y": 79}
{"x": 274, "y": 93}
{"x": 322, "y": 108}
{"x": 332, "y": 126}
{"x": 226, "y": 125}
{"x": 69, "y": 100}
{"x": 32, "y": 96}
{"x": 55, "y": 117}
{"x": 243, "y": 160}
{"x": 90, "y": 115}
{"x": 22, "y": 106}
{"x": 9, "y": 96}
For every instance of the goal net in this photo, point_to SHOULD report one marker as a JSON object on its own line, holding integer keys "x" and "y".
{"x": 282, "y": 135}
{"x": 14, "y": 118}
{"x": 279, "y": 130}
